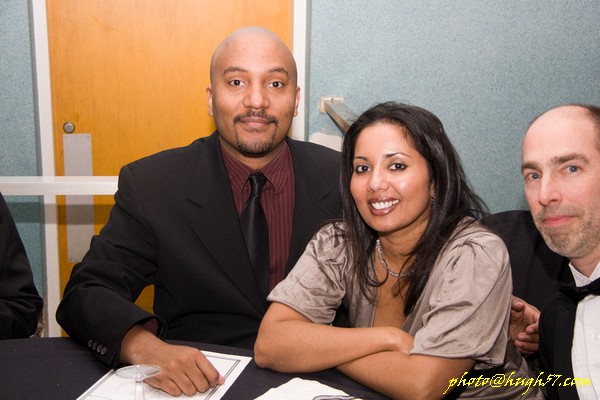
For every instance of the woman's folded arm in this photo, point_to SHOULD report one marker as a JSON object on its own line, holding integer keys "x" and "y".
{"x": 289, "y": 342}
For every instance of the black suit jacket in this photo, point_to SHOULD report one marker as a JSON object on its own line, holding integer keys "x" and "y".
{"x": 537, "y": 271}
{"x": 174, "y": 225}
{"x": 557, "y": 323}
{"x": 20, "y": 303}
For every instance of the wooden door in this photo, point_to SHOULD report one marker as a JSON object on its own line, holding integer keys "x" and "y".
{"x": 133, "y": 73}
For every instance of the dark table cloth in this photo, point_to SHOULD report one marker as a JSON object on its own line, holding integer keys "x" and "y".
{"x": 60, "y": 368}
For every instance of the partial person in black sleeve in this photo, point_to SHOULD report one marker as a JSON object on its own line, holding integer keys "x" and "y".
{"x": 20, "y": 303}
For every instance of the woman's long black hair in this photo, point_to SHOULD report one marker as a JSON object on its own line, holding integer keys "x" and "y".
{"x": 454, "y": 198}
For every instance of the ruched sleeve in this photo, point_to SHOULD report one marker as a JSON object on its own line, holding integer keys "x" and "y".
{"x": 317, "y": 284}
{"x": 464, "y": 310}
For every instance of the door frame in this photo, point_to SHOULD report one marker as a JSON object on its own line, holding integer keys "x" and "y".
{"x": 43, "y": 100}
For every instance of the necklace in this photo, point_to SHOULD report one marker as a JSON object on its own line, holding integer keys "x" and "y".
{"x": 397, "y": 275}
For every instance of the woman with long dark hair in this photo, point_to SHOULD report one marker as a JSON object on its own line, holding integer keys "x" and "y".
{"x": 427, "y": 286}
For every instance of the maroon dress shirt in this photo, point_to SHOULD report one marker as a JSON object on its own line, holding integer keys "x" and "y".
{"x": 277, "y": 200}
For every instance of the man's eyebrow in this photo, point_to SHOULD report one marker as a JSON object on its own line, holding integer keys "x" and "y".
{"x": 570, "y": 157}
{"x": 529, "y": 165}
{"x": 557, "y": 160}
{"x": 280, "y": 70}
{"x": 234, "y": 69}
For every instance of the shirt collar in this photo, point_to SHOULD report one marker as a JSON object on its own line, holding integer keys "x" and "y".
{"x": 277, "y": 171}
{"x": 582, "y": 280}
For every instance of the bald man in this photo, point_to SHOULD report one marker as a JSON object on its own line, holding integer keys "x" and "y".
{"x": 175, "y": 224}
{"x": 561, "y": 167}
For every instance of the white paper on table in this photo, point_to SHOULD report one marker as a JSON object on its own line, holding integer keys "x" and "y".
{"x": 113, "y": 387}
{"x": 300, "y": 389}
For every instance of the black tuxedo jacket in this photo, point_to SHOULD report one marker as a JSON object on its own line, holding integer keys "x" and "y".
{"x": 557, "y": 323}
{"x": 537, "y": 274}
{"x": 537, "y": 271}
{"x": 174, "y": 225}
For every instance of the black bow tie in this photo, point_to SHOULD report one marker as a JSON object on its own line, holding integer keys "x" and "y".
{"x": 577, "y": 293}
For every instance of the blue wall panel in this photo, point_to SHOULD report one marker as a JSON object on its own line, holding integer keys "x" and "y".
{"x": 18, "y": 151}
{"x": 486, "y": 68}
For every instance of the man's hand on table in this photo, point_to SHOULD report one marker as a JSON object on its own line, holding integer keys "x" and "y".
{"x": 184, "y": 369}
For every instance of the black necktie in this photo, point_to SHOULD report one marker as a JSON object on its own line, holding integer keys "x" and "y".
{"x": 256, "y": 232}
{"x": 578, "y": 293}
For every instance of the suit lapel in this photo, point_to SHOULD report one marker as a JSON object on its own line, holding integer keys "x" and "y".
{"x": 563, "y": 343}
{"x": 217, "y": 224}
{"x": 565, "y": 323}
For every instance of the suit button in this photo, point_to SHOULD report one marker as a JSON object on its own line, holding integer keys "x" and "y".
{"x": 99, "y": 348}
{"x": 103, "y": 352}
{"x": 94, "y": 346}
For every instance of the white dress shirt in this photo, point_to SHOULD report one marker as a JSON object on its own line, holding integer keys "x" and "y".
{"x": 585, "y": 353}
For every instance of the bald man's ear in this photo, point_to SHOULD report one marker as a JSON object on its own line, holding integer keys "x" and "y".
{"x": 297, "y": 101}
{"x": 210, "y": 101}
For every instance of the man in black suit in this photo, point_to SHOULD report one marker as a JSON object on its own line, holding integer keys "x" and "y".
{"x": 561, "y": 167}
{"x": 20, "y": 303}
{"x": 175, "y": 224}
